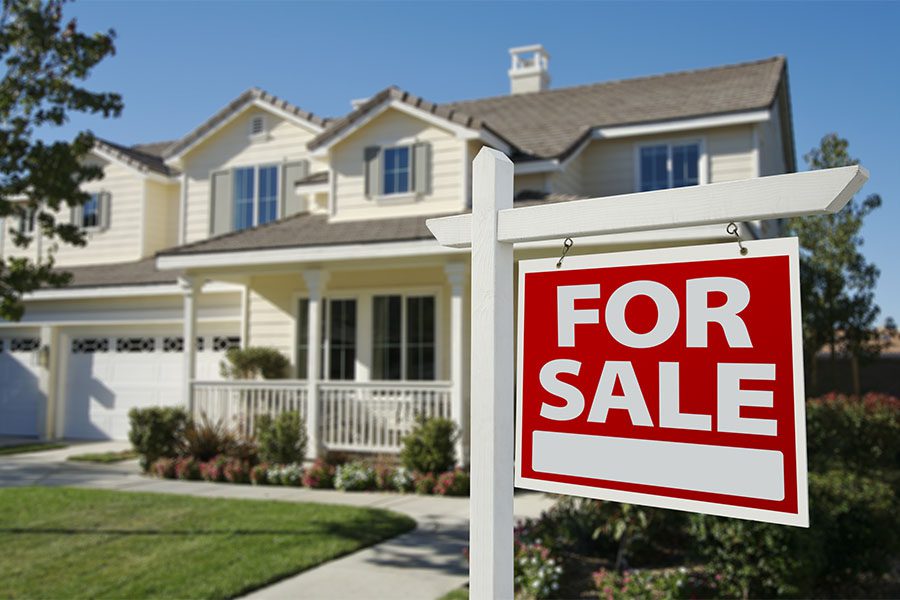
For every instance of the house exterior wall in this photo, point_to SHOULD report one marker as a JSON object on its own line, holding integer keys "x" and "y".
{"x": 394, "y": 128}
{"x": 232, "y": 147}
{"x": 160, "y": 216}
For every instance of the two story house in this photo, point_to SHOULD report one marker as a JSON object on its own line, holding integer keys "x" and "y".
{"x": 271, "y": 226}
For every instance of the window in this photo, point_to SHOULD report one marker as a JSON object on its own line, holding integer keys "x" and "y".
{"x": 341, "y": 341}
{"x": 302, "y": 358}
{"x": 255, "y": 196}
{"x": 26, "y": 222}
{"x": 665, "y": 166}
{"x": 403, "y": 338}
{"x": 90, "y": 212}
{"x": 396, "y": 171}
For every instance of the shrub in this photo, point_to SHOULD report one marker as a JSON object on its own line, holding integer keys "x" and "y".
{"x": 214, "y": 469}
{"x": 259, "y": 474}
{"x": 319, "y": 476}
{"x": 430, "y": 446}
{"x": 155, "y": 432}
{"x": 423, "y": 483}
{"x": 354, "y": 476}
{"x": 537, "y": 573}
{"x": 207, "y": 439}
{"x": 384, "y": 475}
{"x": 164, "y": 467}
{"x": 656, "y": 584}
{"x": 852, "y": 533}
{"x": 187, "y": 467}
{"x": 283, "y": 439}
{"x": 856, "y": 434}
{"x": 252, "y": 362}
{"x": 402, "y": 480}
{"x": 452, "y": 483}
{"x": 237, "y": 471}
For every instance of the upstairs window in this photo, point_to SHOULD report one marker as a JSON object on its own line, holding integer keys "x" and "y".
{"x": 26, "y": 222}
{"x": 90, "y": 212}
{"x": 663, "y": 166}
{"x": 396, "y": 171}
{"x": 255, "y": 196}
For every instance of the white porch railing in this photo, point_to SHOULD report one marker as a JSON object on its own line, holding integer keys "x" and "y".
{"x": 353, "y": 416}
{"x": 373, "y": 417}
{"x": 238, "y": 403}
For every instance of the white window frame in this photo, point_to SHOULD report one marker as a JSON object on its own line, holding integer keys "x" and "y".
{"x": 99, "y": 195}
{"x": 278, "y": 197}
{"x": 404, "y": 333}
{"x": 702, "y": 159}
{"x": 409, "y": 192}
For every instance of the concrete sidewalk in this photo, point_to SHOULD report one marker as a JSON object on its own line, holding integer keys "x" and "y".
{"x": 424, "y": 563}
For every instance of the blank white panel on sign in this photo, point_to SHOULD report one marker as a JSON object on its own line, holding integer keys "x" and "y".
{"x": 746, "y": 472}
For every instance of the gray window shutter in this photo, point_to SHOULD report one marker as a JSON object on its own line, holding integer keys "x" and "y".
{"x": 75, "y": 213}
{"x": 372, "y": 159}
{"x": 292, "y": 202}
{"x": 105, "y": 209}
{"x": 221, "y": 203}
{"x": 421, "y": 167}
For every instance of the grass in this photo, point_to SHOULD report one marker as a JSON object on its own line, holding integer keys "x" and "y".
{"x": 105, "y": 457}
{"x": 71, "y": 543}
{"x": 31, "y": 447}
{"x": 457, "y": 594}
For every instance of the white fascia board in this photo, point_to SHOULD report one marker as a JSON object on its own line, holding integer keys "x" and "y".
{"x": 318, "y": 188}
{"x": 297, "y": 120}
{"x": 44, "y": 320}
{"x": 550, "y": 165}
{"x": 317, "y": 254}
{"x": 742, "y": 118}
{"x": 125, "y": 291}
{"x": 141, "y": 173}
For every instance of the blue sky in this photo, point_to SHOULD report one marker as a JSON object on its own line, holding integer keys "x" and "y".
{"x": 177, "y": 63}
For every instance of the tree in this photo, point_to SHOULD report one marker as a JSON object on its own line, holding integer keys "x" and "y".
{"x": 837, "y": 283}
{"x": 45, "y": 61}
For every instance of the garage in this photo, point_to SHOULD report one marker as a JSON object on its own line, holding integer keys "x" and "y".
{"x": 21, "y": 400}
{"x": 108, "y": 374}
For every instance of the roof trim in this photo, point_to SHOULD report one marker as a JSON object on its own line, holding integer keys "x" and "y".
{"x": 127, "y": 290}
{"x": 251, "y": 97}
{"x": 116, "y": 153}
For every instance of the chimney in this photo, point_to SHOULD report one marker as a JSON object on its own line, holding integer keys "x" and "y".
{"x": 530, "y": 69}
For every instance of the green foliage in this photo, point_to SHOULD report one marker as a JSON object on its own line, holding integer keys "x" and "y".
{"x": 853, "y": 524}
{"x": 45, "y": 59}
{"x": 654, "y": 584}
{"x": 206, "y": 439}
{"x": 355, "y": 476}
{"x": 253, "y": 362}
{"x": 837, "y": 283}
{"x": 430, "y": 447}
{"x": 453, "y": 483}
{"x": 537, "y": 574}
{"x": 281, "y": 440}
{"x": 155, "y": 432}
{"x": 857, "y": 434}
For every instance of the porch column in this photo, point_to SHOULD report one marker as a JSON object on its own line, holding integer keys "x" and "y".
{"x": 190, "y": 289}
{"x": 456, "y": 276}
{"x": 48, "y": 381}
{"x": 315, "y": 281}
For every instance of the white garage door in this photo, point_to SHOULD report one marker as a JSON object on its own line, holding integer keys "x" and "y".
{"x": 110, "y": 375}
{"x": 21, "y": 401}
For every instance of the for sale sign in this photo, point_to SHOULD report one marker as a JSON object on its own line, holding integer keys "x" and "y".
{"x": 670, "y": 378}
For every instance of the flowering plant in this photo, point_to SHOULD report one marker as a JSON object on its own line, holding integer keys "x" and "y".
{"x": 424, "y": 483}
{"x": 659, "y": 584}
{"x": 354, "y": 476}
{"x": 402, "y": 480}
{"x": 291, "y": 474}
{"x": 320, "y": 475}
{"x": 214, "y": 470}
{"x": 164, "y": 467}
{"x": 259, "y": 475}
{"x": 237, "y": 471}
{"x": 537, "y": 573}
{"x": 452, "y": 483}
{"x": 187, "y": 467}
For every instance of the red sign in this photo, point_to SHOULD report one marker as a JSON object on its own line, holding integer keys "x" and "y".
{"x": 670, "y": 378}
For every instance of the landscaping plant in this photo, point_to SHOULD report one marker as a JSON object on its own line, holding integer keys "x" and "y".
{"x": 423, "y": 483}
{"x": 237, "y": 471}
{"x": 206, "y": 439}
{"x": 431, "y": 446}
{"x": 164, "y": 468}
{"x": 259, "y": 474}
{"x": 452, "y": 483}
{"x": 354, "y": 476}
{"x": 187, "y": 467}
{"x": 282, "y": 439}
{"x": 537, "y": 574}
{"x": 155, "y": 432}
{"x": 319, "y": 476}
{"x": 254, "y": 362}
{"x": 402, "y": 480}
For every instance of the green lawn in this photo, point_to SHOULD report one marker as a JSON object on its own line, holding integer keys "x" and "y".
{"x": 104, "y": 457}
{"x": 31, "y": 447}
{"x": 69, "y": 543}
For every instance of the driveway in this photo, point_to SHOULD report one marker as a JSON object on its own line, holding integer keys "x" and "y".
{"x": 424, "y": 563}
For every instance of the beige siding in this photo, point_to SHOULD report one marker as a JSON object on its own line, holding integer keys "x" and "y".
{"x": 569, "y": 180}
{"x": 771, "y": 152}
{"x": 393, "y": 128}
{"x": 731, "y": 154}
{"x": 232, "y": 147}
{"x": 534, "y": 182}
{"x": 271, "y": 311}
{"x": 161, "y": 216}
{"x": 608, "y": 167}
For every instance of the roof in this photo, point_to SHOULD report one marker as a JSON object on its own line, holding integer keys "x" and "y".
{"x": 143, "y": 157}
{"x": 305, "y": 230}
{"x": 142, "y": 272}
{"x": 317, "y": 177}
{"x": 551, "y": 123}
{"x": 236, "y": 105}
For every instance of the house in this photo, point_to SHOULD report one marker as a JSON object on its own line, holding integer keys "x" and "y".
{"x": 271, "y": 226}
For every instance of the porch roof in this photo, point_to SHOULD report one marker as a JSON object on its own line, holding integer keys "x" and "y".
{"x": 140, "y": 272}
{"x": 305, "y": 230}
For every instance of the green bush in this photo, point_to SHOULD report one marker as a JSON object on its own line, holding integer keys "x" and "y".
{"x": 430, "y": 447}
{"x": 856, "y": 434}
{"x": 207, "y": 439}
{"x": 281, "y": 440}
{"x": 252, "y": 362}
{"x": 155, "y": 432}
{"x": 354, "y": 476}
{"x": 852, "y": 534}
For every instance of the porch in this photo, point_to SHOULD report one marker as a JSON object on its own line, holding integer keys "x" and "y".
{"x": 343, "y": 416}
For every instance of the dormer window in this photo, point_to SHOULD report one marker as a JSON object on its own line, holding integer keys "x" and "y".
{"x": 90, "y": 212}
{"x": 663, "y": 166}
{"x": 257, "y": 127}
{"x": 26, "y": 221}
{"x": 94, "y": 213}
{"x": 396, "y": 171}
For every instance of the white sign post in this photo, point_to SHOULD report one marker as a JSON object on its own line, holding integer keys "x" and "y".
{"x": 492, "y": 229}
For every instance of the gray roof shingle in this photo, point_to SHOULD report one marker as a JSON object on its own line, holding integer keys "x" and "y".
{"x": 143, "y": 157}
{"x": 142, "y": 272}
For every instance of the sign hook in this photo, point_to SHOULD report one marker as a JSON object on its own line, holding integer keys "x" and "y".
{"x": 566, "y": 245}
{"x": 732, "y": 229}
